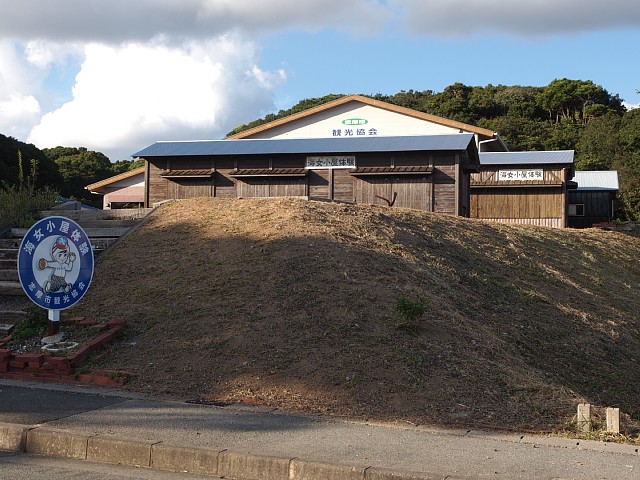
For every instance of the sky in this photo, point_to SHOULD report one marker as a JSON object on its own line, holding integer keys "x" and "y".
{"x": 118, "y": 75}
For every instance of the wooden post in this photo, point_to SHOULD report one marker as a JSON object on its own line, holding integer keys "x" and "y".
{"x": 613, "y": 420}
{"x": 584, "y": 417}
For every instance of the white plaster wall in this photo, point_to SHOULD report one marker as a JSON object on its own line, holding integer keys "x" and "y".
{"x": 329, "y": 124}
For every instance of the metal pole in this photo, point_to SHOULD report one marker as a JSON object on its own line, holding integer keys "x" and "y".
{"x": 53, "y": 325}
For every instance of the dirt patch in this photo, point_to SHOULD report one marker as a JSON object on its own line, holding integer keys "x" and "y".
{"x": 293, "y": 304}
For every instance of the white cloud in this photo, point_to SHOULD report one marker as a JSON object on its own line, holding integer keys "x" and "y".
{"x": 17, "y": 114}
{"x": 454, "y": 18}
{"x": 129, "y": 96}
{"x": 117, "y": 20}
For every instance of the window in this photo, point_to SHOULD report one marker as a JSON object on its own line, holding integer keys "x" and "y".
{"x": 576, "y": 209}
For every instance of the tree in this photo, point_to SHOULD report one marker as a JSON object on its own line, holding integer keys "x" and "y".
{"x": 122, "y": 166}
{"x": 46, "y": 171}
{"x": 577, "y": 100}
{"x": 79, "y": 167}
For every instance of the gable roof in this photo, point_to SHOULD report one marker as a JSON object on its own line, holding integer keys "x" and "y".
{"x": 456, "y": 141}
{"x": 484, "y": 133}
{"x": 597, "y": 180}
{"x": 114, "y": 179}
{"x": 526, "y": 158}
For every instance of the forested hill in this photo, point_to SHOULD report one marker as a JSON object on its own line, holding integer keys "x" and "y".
{"x": 67, "y": 170}
{"x": 33, "y": 159}
{"x": 565, "y": 115}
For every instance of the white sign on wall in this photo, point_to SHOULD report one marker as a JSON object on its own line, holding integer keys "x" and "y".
{"x": 332, "y": 161}
{"x": 531, "y": 175}
{"x": 354, "y": 127}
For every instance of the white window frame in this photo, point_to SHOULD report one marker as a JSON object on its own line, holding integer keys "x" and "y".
{"x": 576, "y": 210}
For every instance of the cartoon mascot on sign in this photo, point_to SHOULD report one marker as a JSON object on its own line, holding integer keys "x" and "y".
{"x": 62, "y": 262}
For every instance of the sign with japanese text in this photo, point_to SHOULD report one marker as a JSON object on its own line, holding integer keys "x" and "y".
{"x": 354, "y": 131}
{"x": 55, "y": 263}
{"x": 531, "y": 175}
{"x": 333, "y": 161}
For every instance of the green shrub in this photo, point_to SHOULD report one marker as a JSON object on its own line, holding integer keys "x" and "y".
{"x": 408, "y": 312}
{"x": 34, "y": 326}
{"x": 19, "y": 203}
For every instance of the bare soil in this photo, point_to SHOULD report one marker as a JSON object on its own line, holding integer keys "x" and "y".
{"x": 292, "y": 304}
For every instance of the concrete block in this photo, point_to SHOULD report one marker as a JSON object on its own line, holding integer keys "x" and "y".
{"x": 613, "y": 420}
{"x": 584, "y": 417}
{"x": 252, "y": 467}
{"x": 303, "y": 470}
{"x": 57, "y": 443}
{"x": 119, "y": 451}
{"x": 385, "y": 474}
{"x": 184, "y": 459}
{"x": 13, "y": 438}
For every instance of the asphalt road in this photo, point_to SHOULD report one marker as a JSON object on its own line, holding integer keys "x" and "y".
{"x": 32, "y": 467}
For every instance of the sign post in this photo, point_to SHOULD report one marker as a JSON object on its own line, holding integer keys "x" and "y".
{"x": 55, "y": 267}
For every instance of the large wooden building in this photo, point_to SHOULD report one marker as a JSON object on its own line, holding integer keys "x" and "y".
{"x": 353, "y": 149}
{"x": 357, "y": 149}
{"x": 427, "y": 172}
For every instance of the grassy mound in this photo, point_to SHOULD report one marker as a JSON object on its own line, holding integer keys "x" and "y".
{"x": 375, "y": 312}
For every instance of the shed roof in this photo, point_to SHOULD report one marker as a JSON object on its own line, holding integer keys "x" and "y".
{"x": 597, "y": 180}
{"x": 94, "y": 187}
{"x": 527, "y": 158}
{"x": 458, "y": 141}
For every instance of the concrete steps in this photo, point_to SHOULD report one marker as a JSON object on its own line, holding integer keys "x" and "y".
{"x": 11, "y": 288}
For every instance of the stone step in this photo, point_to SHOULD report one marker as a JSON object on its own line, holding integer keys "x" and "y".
{"x": 6, "y": 329}
{"x": 10, "y": 243}
{"x": 11, "y": 288}
{"x": 9, "y": 275}
{"x": 8, "y": 264}
{"x": 12, "y": 316}
{"x": 91, "y": 232}
{"x": 89, "y": 215}
{"x": 8, "y": 253}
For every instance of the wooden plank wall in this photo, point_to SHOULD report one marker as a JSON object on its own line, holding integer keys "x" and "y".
{"x": 430, "y": 192}
{"x": 343, "y": 185}
{"x": 319, "y": 183}
{"x": 533, "y": 205}
{"x": 444, "y": 185}
{"x": 489, "y": 176}
{"x": 156, "y": 185}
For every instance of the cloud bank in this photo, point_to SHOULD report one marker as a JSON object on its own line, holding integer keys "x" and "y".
{"x": 189, "y": 69}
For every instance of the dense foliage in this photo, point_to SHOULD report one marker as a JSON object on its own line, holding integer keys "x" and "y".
{"x": 565, "y": 115}
{"x": 66, "y": 170}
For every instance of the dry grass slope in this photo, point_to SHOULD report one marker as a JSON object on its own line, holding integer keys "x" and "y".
{"x": 291, "y": 303}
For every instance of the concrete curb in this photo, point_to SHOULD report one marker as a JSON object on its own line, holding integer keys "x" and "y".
{"x": 204, "y": 461}
{"x": 158, "y": 455}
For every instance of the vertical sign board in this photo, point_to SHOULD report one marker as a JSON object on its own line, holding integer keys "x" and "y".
{"x": 55, "y": 264}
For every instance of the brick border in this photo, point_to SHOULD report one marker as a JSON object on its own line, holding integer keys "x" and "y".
{"x": 48, "y": 368}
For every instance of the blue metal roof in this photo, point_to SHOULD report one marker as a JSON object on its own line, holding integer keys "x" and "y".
{"x": 526, "y": 158}
{"x": 597, "y": 180}
{"x": 457, "y": 141}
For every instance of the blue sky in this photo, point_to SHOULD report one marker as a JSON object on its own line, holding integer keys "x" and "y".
{"x": 116, "y": 75}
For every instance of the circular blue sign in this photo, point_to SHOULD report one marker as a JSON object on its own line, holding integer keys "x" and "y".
{"x": 55, "y": 263}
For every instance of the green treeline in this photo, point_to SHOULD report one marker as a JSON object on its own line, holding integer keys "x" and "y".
{"x": 65, "y": 170}
{"x": 565, "y": 115}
